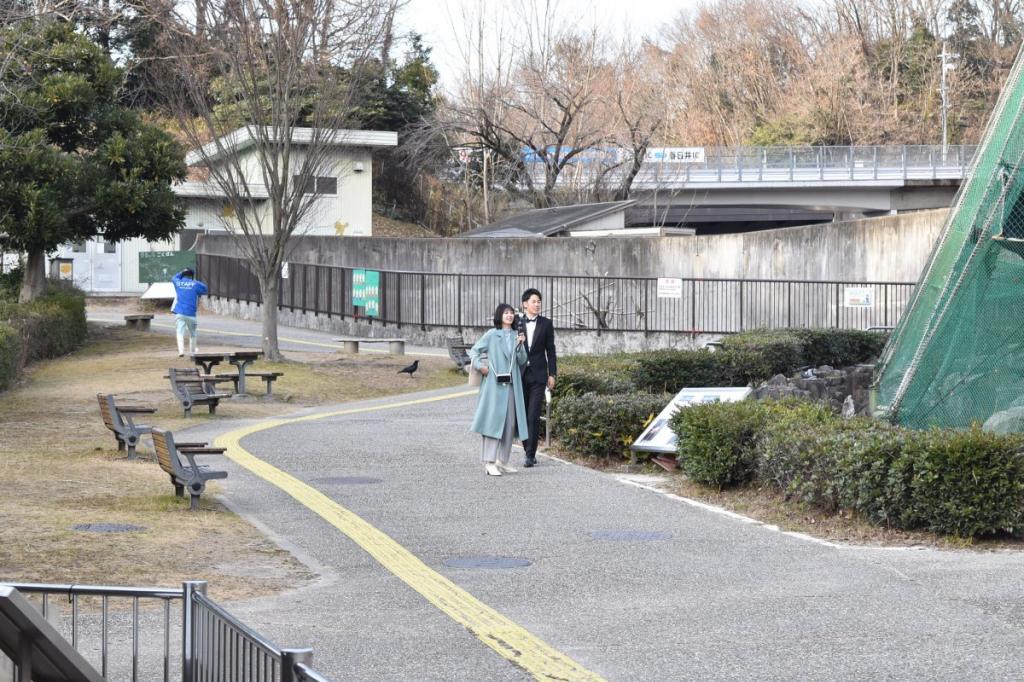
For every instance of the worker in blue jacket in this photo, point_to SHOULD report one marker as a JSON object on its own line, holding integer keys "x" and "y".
{"x": 187, "y": 290}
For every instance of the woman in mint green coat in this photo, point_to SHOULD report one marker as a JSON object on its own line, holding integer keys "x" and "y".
{"x": 501, "y": 411}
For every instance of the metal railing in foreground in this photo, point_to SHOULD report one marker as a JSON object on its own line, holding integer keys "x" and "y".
{"x": 214, "y": 645}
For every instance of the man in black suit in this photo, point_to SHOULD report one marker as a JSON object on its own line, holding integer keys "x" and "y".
{"x": 540, "y": 369}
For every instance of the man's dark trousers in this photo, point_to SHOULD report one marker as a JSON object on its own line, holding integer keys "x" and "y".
{"x": 533, "y": 392}
{"x": 542, "y": 361}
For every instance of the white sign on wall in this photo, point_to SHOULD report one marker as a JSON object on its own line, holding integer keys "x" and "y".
{"x": 659, "y": 436}
{"x": 670, "y": 287}
{"x": 859, "y": 297}
{"x": 675, "y": 155}
{"x": 284, "y": 270}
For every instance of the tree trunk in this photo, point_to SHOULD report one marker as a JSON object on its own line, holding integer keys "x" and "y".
{"x": 269, "y": 292}
{"x": 33, "y": 285}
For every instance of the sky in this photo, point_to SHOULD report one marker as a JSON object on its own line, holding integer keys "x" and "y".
{"x": 435, "y": 20}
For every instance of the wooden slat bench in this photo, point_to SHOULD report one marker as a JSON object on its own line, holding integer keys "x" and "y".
{"x": 458, "y": 351}
{"x": 351, "y": 344}
{"x": 191, "y": 475}
{"x": 268, "y": 378}
{"x": 140, "y": 322}
{"x": 192, "y": 389}
{"x": 120, "y": 419}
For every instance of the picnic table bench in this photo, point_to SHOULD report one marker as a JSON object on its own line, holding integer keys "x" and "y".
{"x": 140, "y": 322}
{"x": 351, "y": 344}
{"x": 121, "y": 420}
{"x": 241, "y": 359}
{"x": 268, "y": 378}
{"x": 192, "y": 389}
{"x": 458, "y": 351}
{"x": 191, "y": 475}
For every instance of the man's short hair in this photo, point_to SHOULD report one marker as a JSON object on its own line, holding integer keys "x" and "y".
{"x": 530, "y": 292}
{"x": 187, "y": 272}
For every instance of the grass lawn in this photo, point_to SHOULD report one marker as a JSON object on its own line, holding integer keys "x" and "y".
{"x": 60, "y": 466}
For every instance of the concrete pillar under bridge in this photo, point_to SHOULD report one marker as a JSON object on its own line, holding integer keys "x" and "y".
{"x": 718, "y": 209}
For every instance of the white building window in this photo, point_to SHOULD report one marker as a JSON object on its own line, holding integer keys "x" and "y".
{"x": 317, "y": 185}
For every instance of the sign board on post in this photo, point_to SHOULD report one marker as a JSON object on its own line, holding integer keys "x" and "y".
{"x": 366, "y": 291}
{"x": 372, "y": 293}
{"x": 160, "y": 266}
{"x": 670, "y": 287}
{"x": 859, "y": 297}
{"x": 659, "y": 436}
{"x": 675, "y": 155}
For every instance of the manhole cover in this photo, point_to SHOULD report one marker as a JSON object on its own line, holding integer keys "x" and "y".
{"x": 486, "y": 562}
{"x": 108, "y": 528}
{"x": 349, "y": 480}
{"x": 629, "y": 535}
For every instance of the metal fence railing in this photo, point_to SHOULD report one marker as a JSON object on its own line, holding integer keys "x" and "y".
{"x": 213, "y": 644}
{"x": 621, "y": 304}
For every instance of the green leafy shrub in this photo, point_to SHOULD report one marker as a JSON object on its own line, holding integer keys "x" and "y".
{"x": 603, "y": 425}
{"x": 779, "y": 351}
{"x": 798, "y": 452}
{"x": 839, "y": 347}
{"x": 48, "y": 327}
{"x": 717, "y": 442}
{"x": 668, "y": 371}
{"x": 601, "y": 374}
{"x": 10, "y": 352}
{"x": 964, "y": 483}
{"x": 10, "y": 284}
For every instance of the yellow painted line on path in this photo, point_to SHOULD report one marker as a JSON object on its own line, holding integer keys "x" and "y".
{"x": 492, "y": 628}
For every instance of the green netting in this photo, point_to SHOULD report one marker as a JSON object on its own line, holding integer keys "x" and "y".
{"x": 957, "y": 355}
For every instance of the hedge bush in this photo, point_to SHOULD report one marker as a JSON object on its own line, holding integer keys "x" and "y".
{"x": 10, "y": 352}
{"x": 601, "y": 374}
{"x": 604, "y": 425}
{"x": 48, "y": 327}
{"x": 965, "y": 483}
{"x": 717, "y": 442}
{"x": 786, "y": 350}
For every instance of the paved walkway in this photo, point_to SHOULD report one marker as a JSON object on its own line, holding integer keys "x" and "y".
{"x": 617, "y": 581}
{"x": 220, "y": 330}
{"x": 387, "y": 501}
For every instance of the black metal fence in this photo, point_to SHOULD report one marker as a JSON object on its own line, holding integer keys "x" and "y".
{"x": 633, "y": 304}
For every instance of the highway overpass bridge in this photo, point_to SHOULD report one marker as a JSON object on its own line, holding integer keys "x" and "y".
{"x": 757, "y": 187}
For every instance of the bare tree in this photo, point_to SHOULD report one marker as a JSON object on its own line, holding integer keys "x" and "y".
{"x": 277, "y": 79}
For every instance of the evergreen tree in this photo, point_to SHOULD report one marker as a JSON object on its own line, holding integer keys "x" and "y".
{"x": 74, "y": 162}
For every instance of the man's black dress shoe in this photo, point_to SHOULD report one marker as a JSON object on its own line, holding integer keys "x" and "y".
{"x": 529, "y": 462}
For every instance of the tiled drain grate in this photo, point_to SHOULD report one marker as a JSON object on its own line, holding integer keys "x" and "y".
{"x": 349, "y": 480}
{"x": 108, "y": 528}
{"x": 486, "y": 562}
{"x": 629, "y": 535}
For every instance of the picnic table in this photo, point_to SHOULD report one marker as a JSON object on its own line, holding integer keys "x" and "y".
{"x": 239, "y": 358}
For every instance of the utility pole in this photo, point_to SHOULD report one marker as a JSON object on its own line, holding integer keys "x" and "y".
{"x": 947, "y": 65}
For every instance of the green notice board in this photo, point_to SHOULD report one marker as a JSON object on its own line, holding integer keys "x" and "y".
{"x": 160, "y": 266}
{"x": 366, "y": 291}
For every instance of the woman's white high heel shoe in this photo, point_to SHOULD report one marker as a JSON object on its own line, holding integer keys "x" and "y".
{"x": 492, "y": 469}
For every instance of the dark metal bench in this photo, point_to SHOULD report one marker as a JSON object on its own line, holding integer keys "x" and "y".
{"x": 120, "y": 419}
{"x": 192, "y": 389}
{"x": 268, "y": 378}
{"x": 458, "y": 351}
{"x": 140, "y": 322}
{"x": 191, "y": 475}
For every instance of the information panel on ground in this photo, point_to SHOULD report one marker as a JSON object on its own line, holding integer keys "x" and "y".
{"x": 659, "y": 436}
{"x": 160, "y": 266}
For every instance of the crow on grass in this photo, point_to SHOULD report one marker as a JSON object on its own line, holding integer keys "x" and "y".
{"x": 411, "y": 368}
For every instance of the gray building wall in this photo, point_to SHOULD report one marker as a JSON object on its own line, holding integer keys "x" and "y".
{"x": 887, "y": 249}
{"x": 891, "y": 248}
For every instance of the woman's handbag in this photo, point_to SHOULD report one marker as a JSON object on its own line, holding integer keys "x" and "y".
{"x": 476, "y": 377}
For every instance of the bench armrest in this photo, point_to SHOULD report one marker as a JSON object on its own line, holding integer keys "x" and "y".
{"x": 202, "y": 451}
{"x": 135, "y": 410}
{"x": 191, "y": 446}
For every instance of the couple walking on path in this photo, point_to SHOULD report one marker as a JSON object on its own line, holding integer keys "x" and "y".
{"x": 518, "y": 362}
